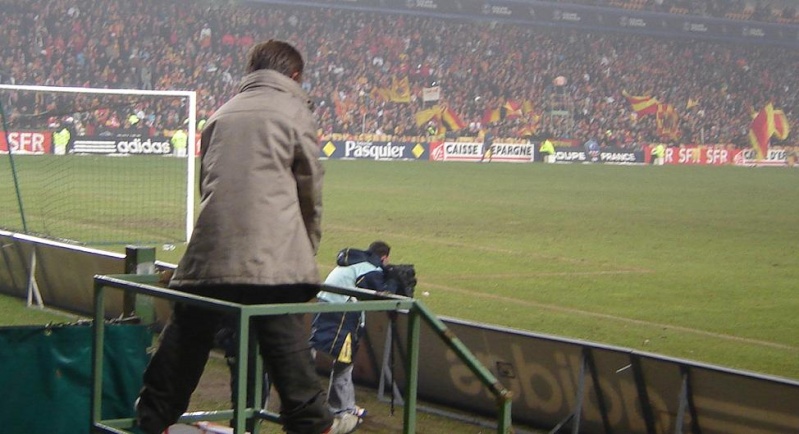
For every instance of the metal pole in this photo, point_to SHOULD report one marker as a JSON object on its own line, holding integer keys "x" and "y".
{"x": 13, "y": 169}
{"x": 363, "y": 123}
{"x": 411, "y": 382}
{"x": 97, "y": 354}
{"x": 242, "y": 359}
{"x": 33, "y": 286}
{"x": 139, "y": 260}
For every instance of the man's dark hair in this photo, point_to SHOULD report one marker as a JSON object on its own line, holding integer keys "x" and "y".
{"x": 379, "y": 248}
{"x": 275, "y": 55}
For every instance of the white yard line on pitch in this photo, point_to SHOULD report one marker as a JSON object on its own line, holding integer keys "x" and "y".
{"x": 546, "y": 274}
{"x": 449, "y": 243}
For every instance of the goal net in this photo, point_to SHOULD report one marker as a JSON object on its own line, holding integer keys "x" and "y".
{"x": 97, "y": 166}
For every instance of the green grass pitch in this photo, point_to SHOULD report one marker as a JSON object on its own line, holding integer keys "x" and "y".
{"x": 694, "y": 262}
{"x": 96, "y": 199}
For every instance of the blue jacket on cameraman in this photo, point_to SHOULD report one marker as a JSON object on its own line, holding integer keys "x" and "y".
{"x": 334, "y": 331}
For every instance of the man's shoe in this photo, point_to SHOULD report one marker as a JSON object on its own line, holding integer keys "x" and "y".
{"x": 344, "y": 424}
{"x": 360, "y": 412}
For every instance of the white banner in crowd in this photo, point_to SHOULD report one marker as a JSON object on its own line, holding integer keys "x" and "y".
{"x": 431, "y": 93}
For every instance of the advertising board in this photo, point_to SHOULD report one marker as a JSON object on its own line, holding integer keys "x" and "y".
{"x": 603, "y": 155}
{"x": 611, "y": 389}
{"x": 473, "y": 151}
{"x": 372, "y": 150}
{"x": 31, "y": 142}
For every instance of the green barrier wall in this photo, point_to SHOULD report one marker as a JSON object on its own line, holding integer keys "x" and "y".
{"x": 45, "y": 376}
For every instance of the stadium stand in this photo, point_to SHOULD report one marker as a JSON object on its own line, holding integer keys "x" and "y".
{"x": 358, "y": 61}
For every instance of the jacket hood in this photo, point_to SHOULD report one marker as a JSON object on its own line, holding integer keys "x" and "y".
{"x": 350, "y": 256}
{"x": 274, "y": 79}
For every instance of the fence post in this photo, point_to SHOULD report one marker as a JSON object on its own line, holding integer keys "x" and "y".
{"x": 139, "y": 260}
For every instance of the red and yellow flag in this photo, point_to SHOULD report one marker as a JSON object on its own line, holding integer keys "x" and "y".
{"x": 426, "y": 115}
{"x": 643, "y": 105}
{"x": 668, "y": 121}
{"x": 400, "y": 90}
{"x": 491, "y": 116}
{"x": 450, "y": 120}
{"x": 444, "y": 116}
{"x": 511, "y": 109}
{"x": 531, "y": 128}
{"x": 766, "y": 123}
{"x": 527, "y": 107}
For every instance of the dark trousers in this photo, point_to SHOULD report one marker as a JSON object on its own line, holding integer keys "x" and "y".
{"x": 185, "y": 343}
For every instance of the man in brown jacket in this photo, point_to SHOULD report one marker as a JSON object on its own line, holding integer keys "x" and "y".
{"x": 254, "y": 242}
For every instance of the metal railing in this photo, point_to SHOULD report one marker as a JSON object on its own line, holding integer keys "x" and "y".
{"x": 368, "y": 301}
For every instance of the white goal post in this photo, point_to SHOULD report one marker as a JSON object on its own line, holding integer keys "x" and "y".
{"x": 190, "y": 96}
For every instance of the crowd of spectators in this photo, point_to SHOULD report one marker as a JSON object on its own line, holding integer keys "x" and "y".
{"x": 783, "y": 12}
{"x": 479, "y": 66}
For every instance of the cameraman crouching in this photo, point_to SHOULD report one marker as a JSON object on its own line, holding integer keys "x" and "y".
{"x": 338, "y": 333}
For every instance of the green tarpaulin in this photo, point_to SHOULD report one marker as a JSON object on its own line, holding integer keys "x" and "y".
{"x": 45, "y": 376}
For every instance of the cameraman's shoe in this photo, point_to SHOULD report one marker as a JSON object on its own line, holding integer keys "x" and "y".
{"x": 344, "y": 424}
